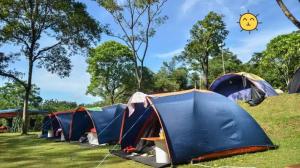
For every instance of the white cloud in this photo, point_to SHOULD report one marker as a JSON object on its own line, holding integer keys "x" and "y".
{"x": 170, "y": 53}
{"x": 71, "y": 88}
{"x": 188, "y": 5}
{"x": 256, "y": 42}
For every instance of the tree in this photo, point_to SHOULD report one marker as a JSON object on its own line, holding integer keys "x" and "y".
{"x": 25, "y": 23}
{"x": 137, "y": 20}
{"x": 55, "y": 105}
{"x": 255, "y": 66}
{"x": 110, "y": 66}
{"x": 231, "y": 62}
{"x": 170, "y": 77}
{"x": 206, "y": 37}
{"x": 288, "y": 14}
{"x": 12, "y": 96}
{"x": 282, "y": 56}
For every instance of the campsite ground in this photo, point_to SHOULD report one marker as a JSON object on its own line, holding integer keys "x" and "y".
{"x": 279, "y": 116}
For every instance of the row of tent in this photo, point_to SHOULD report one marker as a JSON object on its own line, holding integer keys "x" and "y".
{"x": 197, "y": 125}
{"x": 72, "y": 125}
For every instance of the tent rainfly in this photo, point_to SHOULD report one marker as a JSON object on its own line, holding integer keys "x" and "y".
{"x": 294, "y": 85}
{"x": 242, "y": 86}
{"x": 197, "y": 125}
{"x": 105, "y": 121}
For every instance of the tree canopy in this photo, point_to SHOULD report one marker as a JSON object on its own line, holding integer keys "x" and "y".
{"x": 56, "y": 105}
{"x": 171, "y": 77}
{"x": 282, "y": 56}
{"x": 207, "y": 36}
{"x": 111, "y": 68}
{"x": 12, "y": 96}
{"x": 26, "y": 23}
{"x": 231, "y": 62}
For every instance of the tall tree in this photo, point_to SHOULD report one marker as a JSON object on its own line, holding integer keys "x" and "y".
{"x": 283, "y": 55}
{"x": 12, "y": 96}
{"x": 26, "y": 23}
{"x": 137, "y": 20}
{"x": 288, "y": 14}
{"x": 110, "y": 66}
{"x": 206, "y": 37}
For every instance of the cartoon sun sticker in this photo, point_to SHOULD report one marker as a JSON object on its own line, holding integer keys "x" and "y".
{"x": 249, "y": 22}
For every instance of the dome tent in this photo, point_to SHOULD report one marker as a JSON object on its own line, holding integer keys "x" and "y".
{"x": 59, "y": 123}
{"x": 243, "y": 86}
{"x": 294, "y": 85}
{"x": 198, "y": 125}
{"x": 64, "y": 119}
{"x": 106, "y": 121}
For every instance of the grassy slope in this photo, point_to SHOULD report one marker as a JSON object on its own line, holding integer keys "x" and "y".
{"x": 279, "y": 116}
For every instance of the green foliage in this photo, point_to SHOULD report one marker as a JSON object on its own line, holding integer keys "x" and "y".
{"x": 282, "y": 56}
{"x": 111, "y": 68}
{"x": 3, "y": 122}
{"x": 206, "y": 37}
{"x": 55, "y": 105}
{"x": 255, "y": 66}
{"x": 231, "y": 62}
{"x": 12, "y": 96}
{"x": 16, "y": 124}
{"x": 171, "y": 78}
{"x": 278, "y": 62}
{"x": 24, "y": 23}
{"x": 147, "y": 82}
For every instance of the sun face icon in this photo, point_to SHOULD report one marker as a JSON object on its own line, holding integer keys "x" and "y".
{"x": 249, "y": 22}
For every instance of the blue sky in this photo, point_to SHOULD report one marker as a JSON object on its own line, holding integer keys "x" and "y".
{"x": 171, "y": 38}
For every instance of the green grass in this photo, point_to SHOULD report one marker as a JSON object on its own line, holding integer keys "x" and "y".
{"x": 279, "y": 117}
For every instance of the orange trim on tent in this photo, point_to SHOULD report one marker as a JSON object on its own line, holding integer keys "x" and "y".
{"x": 122, "y": 126}
{"x": 232, "y": 152}
{"x": 162, "y": 127}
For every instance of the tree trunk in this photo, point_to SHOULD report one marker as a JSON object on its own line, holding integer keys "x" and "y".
{"x": 288, "y": 14}
{"x": 112, "y": 100}
{"x": 205, "y": 70}
{"x": 206, "y": 82}
{"x": 26, "y": 99}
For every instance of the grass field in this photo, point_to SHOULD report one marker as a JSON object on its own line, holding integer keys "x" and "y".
{"x": 279, "y": 116}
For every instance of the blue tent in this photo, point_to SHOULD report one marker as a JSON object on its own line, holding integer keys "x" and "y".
{"x": 106, "y": 121}
{"x": 81, "y": 123}
{"x": 64, "y": 119}
{"x": 132, "y": 126}
{"x": 240, "y": 86}
{"x": 294, "y": 84}
{"x": 198, "y": 125}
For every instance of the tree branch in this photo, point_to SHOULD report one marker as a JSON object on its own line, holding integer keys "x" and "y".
{"x": 44, "y": 50}
{"x": 288, "y": 14}
{"x": 11, "y": 76}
